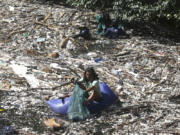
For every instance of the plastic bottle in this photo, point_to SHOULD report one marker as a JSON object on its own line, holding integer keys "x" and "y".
{"x": 98, "y": 60}
{"x": 41, "y": 39}
{"x": 92, "y": 54}
{"x": 106, "y": 42}
{"x": 115, "y": 72}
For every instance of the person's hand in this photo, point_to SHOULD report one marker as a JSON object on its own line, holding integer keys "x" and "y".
{"x": 80, "y": 86}
{"x": 72, "y": 80}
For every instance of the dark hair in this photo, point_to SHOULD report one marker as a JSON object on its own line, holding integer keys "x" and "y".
{"x": 92, "y": 72}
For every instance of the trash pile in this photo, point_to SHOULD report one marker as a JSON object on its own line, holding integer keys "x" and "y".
{"x": 42, "y": 47}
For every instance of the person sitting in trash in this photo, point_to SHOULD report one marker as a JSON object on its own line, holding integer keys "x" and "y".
{"x": 115, "y": 30}
{"x": 109, "y": 28}
{"x": 90, "y": 84}
{"x": 104, "y": 22}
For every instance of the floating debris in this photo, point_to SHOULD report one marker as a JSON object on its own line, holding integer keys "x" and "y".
{"x": 39, "y": 57}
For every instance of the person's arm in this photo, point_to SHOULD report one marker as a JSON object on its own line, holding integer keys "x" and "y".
{"x": 84, "y": 88}
{"x": 93, "y": 86}
{"x": 90, "y": 98}
{"x": 90, "y": 88}
{"x": 81, "y": 85}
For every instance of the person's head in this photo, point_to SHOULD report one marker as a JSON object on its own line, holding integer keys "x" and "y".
{"x": 90, "y": 74}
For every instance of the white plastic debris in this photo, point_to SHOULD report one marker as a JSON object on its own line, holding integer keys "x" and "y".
{"x": 115, "y": 72}
{"x": 41, "y": 39}
{"x": 11, "y": 8}
{"x": 70, "y": 45}
{"x": 22, "y": 72}
{"x": 92, "y": 54}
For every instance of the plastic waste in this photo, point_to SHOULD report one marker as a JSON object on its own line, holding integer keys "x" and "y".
{"x": 70, "y": 45}
{"x": 120, "y": 82}
{"x": 7, "y": 130}
{"x": 17, "y": 106}
{"x": 98, "y": 60}
{"x": 21, "y": 71}
{"x": 54, "y": 65}
{"x": 8, "y": 20}
{"x": 26, "y": 34}
{"x": 76, "y": 110}
{"x": 128, "y": 66}
{"x": 106, "y": 42}
{"x": 61, "y": 56}
{"x": 115, "y": 72}
{"x": 119, "y": 86}
{"x": 159, "y": 53}
{"x": 92, "y": 54}
{"x": 136, "y": 71}
{"x": 12, "y": 19}
{"x": 11, "y": 8}
{"x": 41, "y": 39}
{"x": 1, "y": 109}
{"x": 84, "y": 32}
{"x": 112, "y": 33}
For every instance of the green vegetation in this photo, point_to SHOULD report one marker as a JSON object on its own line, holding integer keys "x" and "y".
{"x": 132, "y": 10}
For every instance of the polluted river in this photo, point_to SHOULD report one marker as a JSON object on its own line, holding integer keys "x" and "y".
{"x": 39, "y": 53}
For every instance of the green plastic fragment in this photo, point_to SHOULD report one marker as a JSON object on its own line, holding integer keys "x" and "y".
{"x": 1, "y": 110}
{"x": 25, "y": 34}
